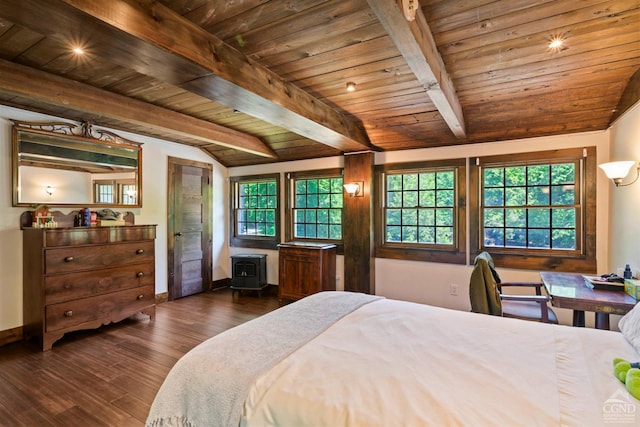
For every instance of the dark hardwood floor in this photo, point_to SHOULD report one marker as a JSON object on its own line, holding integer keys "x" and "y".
{"x": 109, "y": 376}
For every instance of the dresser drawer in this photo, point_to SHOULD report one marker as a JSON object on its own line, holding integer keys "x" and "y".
{"x": 67, "y": 260}
{"x": 131, "y": 233}
{"x": 106, "y": 308}
{"x": 75, "y": 236}
{"x": 64, "y": 287}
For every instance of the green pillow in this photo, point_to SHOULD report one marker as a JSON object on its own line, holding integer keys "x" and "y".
{"x": 629, "y": 374}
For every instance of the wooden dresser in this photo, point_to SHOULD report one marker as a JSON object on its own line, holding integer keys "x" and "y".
{"x": 305, "y": 268}
{"x": 83, "y": 277}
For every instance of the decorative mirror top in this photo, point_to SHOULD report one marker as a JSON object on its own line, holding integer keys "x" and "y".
{"x": 84, "y": 129}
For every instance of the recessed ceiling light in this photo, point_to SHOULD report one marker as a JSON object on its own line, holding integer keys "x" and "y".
{"x": 556, "y": 43}
{"x": 351, "y": 86}
{"x": 78, "y": 50}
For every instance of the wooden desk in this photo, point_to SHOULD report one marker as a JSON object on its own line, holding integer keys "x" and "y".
{"x": 568, "y": 290}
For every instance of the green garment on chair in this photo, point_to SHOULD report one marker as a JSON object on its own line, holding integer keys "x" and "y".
{"x": 483, "y": 288}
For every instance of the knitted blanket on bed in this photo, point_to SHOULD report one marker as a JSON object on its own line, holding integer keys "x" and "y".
{"x": 209, "y": 384}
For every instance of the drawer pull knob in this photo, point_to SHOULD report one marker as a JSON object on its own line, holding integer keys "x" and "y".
{"x": 140, "y": 251}
{"x": 141, "y": 296}
{"x": 140, "y": 274}
{"x": 68, "y": 259}
{"x": 68, "y": 313}
{"x": 67, "y": 285}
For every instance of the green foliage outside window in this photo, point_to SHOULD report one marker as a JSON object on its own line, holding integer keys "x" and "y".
{"x": 530, "y": 206}
{"x": 256, "y": 213}
{"x": 317, "y": 209}
{"x": 420, "y": 208}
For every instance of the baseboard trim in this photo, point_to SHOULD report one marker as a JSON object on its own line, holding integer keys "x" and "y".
{"x": 11, "y": 335}
{"x": 216, "y": 284}
{"x": 222, "y": 283}
{"x": 163, "y": 297}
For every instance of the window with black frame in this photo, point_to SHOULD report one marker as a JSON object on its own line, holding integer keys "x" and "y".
{"x": 420, "y": 207}
{"x": 531, "y": 206}
{"x": 536, "y": 210}
{"x": 255, "y": 211}
{"x": 314, "y": 206}
{"x": 419, "y": 216}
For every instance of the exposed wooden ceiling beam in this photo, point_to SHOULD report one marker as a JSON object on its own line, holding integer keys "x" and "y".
{"x": 22, "y": 81}
{"x": 418, "y": 47}
{"x": 630, "y": 96}
{"x": 157, "y": 42}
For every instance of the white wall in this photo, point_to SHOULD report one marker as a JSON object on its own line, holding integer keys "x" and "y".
{"x": 408, "y": 280}
{"x": 70, "y": 186}
{"x": 283, "y": 168}
{"x": 430, "y": 283}
{"x": 624, "y": 227}
{"x": 155, "y": 155}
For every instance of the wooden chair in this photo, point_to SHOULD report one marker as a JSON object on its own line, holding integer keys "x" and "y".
{"x": 485, "y": 293}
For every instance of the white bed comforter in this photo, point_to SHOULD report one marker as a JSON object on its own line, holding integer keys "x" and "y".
{"x": 392, "y": 363}
{"x": 209, "y": 384}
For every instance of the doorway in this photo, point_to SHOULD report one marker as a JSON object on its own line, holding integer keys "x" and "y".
{"x": 189, "y": 227}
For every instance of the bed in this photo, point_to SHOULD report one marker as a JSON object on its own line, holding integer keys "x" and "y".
{"x": 349, "y": 359}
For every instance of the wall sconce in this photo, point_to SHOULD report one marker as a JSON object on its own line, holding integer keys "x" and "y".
{"x": 617, "y": 171}
{"x": 49, "y": 190}
{"x": 354, "y": 189}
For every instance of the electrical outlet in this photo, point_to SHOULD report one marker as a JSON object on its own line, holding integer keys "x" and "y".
{"x": 453, "y": 290}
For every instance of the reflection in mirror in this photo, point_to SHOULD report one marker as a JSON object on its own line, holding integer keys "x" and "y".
{"x": 62, "y": 164}
{"x": 117, "y": 190}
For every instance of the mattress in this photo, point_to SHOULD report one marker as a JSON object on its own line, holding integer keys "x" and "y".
{"x": 394, "y": 363}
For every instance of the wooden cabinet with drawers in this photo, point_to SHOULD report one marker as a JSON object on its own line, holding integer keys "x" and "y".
{"x": 305, "y": 268}
{"x": 83, "y": 277}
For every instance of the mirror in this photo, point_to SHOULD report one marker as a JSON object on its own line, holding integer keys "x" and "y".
{"x": 64, "y": 164}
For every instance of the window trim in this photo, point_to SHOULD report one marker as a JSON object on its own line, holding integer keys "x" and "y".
{"x": 582, "y": 260}
{"x": 121, "y": 193}
{"x": 455, "y": 255}
{"x": 116, "y": 189}
{"x": 258, "y": 242}
{"x": 97, "y": 183}
{"x": 289, "y": 203}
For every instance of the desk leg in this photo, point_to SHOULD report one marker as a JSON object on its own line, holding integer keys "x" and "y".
{"x": 578, "y": 318}
{"x": 602, "y": 320}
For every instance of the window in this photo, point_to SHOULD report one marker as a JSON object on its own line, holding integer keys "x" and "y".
{"x": 419, "y": 207}
{"x": 118, "y": 191}
{"x": 536, "y": 210}
{"x": 128, "y": 194}
{"x": 256, "y": 213}
{"x": 104, "y": 191}
{"x": 418, "y": 215}
{"x": 314, "y": 206}
{"x": 530, "y": 206}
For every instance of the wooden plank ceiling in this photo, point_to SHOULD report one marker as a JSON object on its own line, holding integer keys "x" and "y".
{"x": 260, "y": 81}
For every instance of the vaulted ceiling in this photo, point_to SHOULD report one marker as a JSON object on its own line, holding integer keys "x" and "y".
{"x": 260, "y": 81}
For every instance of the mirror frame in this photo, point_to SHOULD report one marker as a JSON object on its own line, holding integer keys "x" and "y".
{"x": 85, "y": 133}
